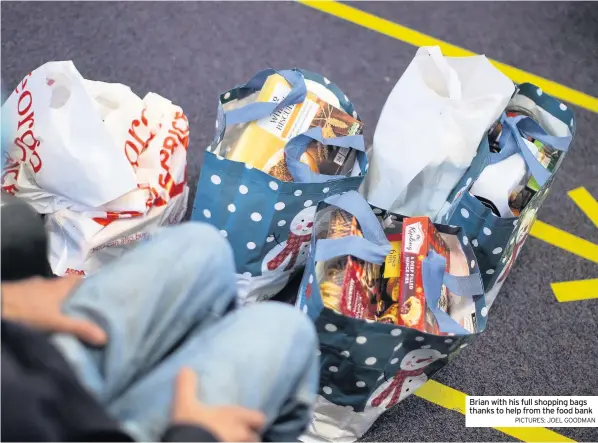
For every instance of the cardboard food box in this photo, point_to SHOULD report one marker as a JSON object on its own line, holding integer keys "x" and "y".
{"x": 419, "y": 238}
{"x": 261, "y": 144}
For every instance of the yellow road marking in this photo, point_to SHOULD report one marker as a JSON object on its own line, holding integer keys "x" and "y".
{"x": 579, "y": 289}
{"x": 416, "y": 38}
{"x": 564, "y": 240}
{"x": 450, "y": 398}
{"x": 575, "y": 290}
{"x": 584, "y": 201}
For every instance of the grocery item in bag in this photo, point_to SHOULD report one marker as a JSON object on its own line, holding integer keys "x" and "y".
{"x": 419, "y": 237}
{"x": 349, "y": 285}
{"x": 460, "y": 308}
{"x": 272, "y": 132}
{"x": 506, "y": 187}
{"x": 388, "y": 309}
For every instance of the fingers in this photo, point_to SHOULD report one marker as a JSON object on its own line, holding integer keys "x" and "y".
{"x": 186, "y": 387}
{"x": 254, "y": 419}
{"x": 64, "y": 286}
{"x": 249, "y": 437}
{"x": 83, "y": 329}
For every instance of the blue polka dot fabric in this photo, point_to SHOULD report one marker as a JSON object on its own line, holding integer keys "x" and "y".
{"x": 267, "y": 221}
{"x": 367, "y": 367}
{"x": 496, "y": 240}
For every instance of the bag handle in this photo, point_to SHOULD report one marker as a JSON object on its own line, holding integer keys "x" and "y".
{"x": 296, "y": 146}
{"x": 511, "y": 143}
{"x": 357, "y": 206}
{"x": 434, "y": 276}
{"x": 372, "y": 247}
{"x": 328, "y": 248}
{"x": 257, "y": 110}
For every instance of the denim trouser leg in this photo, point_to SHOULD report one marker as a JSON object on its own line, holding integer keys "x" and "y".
{"x": 261, "y": 357}
{"x": 147, "y": 301}
{"x": 177, "y": 287}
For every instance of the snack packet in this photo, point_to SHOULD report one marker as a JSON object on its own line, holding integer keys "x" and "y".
{"x": 261, "y": 144}
{"x": 419, "y": 238}
{"x": 348, "y": 284}
{"x": 387, "y": 305}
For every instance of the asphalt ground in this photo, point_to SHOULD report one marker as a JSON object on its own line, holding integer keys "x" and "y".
{"x": 190, "y": 52}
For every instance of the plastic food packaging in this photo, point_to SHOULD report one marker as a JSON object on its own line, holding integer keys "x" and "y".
{"x": 350, "y": 286}
{"x": 507, "y": 187}
{"x": 261, "y": 143}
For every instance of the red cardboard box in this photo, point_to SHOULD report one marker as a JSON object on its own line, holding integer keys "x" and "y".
{"x": 419, "y": 238}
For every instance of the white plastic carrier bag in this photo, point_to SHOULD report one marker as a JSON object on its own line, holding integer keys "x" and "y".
{"x": 105, "y": 166}
{"x": 430, "y": 129}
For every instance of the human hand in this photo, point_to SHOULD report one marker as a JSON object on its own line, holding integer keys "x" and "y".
{"x": 227, "y": 423}
{"x": 37, "y": 302}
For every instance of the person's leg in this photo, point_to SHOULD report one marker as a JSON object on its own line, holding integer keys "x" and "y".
{"x": 261, "y": 357}
{"x": 183, "y": 278}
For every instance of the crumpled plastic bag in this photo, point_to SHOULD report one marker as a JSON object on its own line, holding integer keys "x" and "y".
{"x": 104, "y": 165}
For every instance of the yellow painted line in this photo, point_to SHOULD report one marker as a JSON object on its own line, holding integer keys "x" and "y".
{"x": 416, "y": 38}
{"x": 564, "y": 240}
{"x": 584, "y": 201}
{"x": 575, "y": 290}
{"x": 450, "y": 398}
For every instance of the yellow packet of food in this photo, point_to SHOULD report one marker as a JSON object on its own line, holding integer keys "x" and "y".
{"x": 392, "y": 265}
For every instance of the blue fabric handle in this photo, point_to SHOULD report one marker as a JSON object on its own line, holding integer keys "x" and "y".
{"x": 356, "y": 205}
{"x": 511, "y": 142}
{"x": 257, "y": 110}
{"x": 327, "y": 249}
{"x": 433, "y": 276}
{"x": 296, "y": 146}
{"x": 466, "y": 285}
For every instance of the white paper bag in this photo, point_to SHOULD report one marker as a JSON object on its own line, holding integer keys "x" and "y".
{"x": 102, "y": 163}
{"x": 430, "y": 129}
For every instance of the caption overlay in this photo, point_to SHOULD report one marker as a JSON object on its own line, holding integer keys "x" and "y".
{"x": 520, "y": 411}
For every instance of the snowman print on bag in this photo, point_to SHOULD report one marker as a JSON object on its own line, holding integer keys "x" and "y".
{"x": 407, "y": 380}
{"x": 292, "y": 253}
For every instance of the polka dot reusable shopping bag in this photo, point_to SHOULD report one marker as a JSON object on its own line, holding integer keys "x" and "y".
{"x": 367, "y": 367}
{"x": 268, "y": 221}
{"x": 496, "y": 240}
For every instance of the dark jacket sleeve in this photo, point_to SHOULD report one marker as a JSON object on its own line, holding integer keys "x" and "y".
{"x": 187, "y": 433}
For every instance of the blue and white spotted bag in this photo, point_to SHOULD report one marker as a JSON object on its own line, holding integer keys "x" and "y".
{"x": 367, "y": 367}
{"x": 268, "y": 221}
{"x": 497, "y": 241}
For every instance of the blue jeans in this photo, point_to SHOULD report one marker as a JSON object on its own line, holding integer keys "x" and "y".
{"x": 170, "y": 303}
